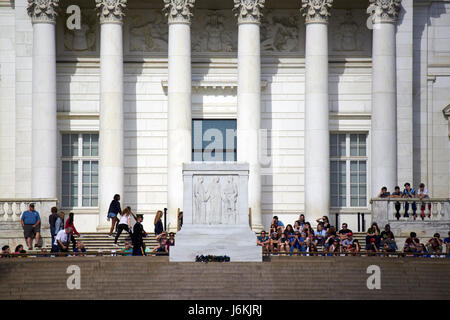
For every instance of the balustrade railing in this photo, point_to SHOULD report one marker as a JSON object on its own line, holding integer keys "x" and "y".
{"x": 11, "y": 209}
{"x": 395, "y": 209}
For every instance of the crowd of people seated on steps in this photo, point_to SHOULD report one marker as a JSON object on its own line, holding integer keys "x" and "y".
{"x": 408, "y": 192}
{"x": 302, "y": 238}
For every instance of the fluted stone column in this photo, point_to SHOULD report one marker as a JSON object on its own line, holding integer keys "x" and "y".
{"x": 317, "y": 139}
{"x": 383, "y": 14}
{"x": 44, "y": 130}
{"x": 249, "y": 99}
{"x": 179, "y": 148}
{"x": 111, "y": 104}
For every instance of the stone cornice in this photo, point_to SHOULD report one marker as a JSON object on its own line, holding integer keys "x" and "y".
{"x": 179, "y": 11}
{"x": 384, "y": 11}
{"x": 248, "y": 11}
{"x": 316, "y": 11}
{"x": 111, "y": 11}
{"x": 43, "y": 11}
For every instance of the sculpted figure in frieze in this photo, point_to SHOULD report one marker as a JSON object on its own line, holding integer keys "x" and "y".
{"x": 215, "y": 202}
{"x": 214, "y": 32}
{"x": 83, "y": 39}
{"x": 279, "y": 33}
{"x": 230, "y": 195}
{"x": 148, "y": 32}
{"x": 348, "y": 34}
{"x": 201, "y": 198}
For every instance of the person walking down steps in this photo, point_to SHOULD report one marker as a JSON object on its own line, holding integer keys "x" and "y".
{"x": 124, "y": 224}
{"x": 113, "y": 212}
{"x": 138, "y": 233}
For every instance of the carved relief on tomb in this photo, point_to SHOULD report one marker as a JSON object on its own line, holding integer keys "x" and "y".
{"x": 83, "y": 39}
{"x": 147, "y": 31}
{"x": 215, "y": 199}
{"x": 280, "y": 32}
{"x": 348, "y": 34}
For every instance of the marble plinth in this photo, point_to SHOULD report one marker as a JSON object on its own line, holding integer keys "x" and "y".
{"x": 215, "y": 215}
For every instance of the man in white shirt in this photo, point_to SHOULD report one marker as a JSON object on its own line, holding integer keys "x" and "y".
{"x": 421, "y": 194}
{"x": 61, "y": 243}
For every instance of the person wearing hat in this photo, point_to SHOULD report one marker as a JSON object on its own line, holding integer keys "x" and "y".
{"x": 347, "y": 243}
{"x": 136, "y": 238}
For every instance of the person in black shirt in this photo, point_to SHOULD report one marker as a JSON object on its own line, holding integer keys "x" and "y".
{"x": 397, "y": 194}
{"x": 158, "y": 223}
{"x": 136, "y": 238}
{"x": 113, "y": 212}
{"x": 52, "y": 221}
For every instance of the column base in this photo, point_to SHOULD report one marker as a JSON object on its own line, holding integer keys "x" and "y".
{"x": 257, "y": 227}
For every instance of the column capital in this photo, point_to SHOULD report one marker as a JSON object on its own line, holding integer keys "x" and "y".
{"x": 111, "y": 11}
{"x": 179, "y": 11}
{"x": 384, "y": 11}
{"x": 316, "y": 11}
{"x": 43, "y": 11}
{"x": 248, "y": 11}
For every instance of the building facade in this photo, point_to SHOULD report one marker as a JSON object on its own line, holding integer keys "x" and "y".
{"x": 327, "y": 101}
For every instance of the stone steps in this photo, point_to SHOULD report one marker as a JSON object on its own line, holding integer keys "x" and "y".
{"x": 281, "y": 278}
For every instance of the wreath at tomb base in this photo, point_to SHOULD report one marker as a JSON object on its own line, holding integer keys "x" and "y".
{"x": 211, "y": 258}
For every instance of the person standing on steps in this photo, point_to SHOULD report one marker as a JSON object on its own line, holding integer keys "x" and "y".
{"x": 113, "y": 211}
{"x": 52, "y": 221}
{"x": 158, "y": 223}
{"x": 138, "y": 234}
{"x": 69, "y": 224}
{"x": 31, "y": 224}
{"x": 124, "y": 224}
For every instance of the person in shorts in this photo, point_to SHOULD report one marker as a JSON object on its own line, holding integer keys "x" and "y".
{"x": 31, "y": 224}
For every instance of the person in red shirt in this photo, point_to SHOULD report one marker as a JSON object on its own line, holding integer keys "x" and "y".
{"x": 69, "y": 224}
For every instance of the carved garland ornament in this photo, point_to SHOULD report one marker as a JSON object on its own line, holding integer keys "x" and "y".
{"x": 384, "y": 10}
{"x": 248, "y": 10}
{"x": 111, "y": 10}
{"x": 179, "y": 10}
{"x": 316, "y": 11}
{"x": 43, "y": 10}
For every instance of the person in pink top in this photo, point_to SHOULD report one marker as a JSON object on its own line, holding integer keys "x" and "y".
{"x": 69, "y": 224}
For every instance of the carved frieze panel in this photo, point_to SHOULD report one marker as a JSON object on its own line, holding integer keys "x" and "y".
{"x": 147, "y": 31}
{"x": 215, "y": 199}
{"x": 348, "y": 34}
{"x": 280, "y": 31}
{"x": 214, "y": 31}
{"x": 83, "y": 39}
{"x": 83, "y": 42}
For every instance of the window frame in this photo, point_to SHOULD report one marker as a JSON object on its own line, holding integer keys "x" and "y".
{"x": 79, "y": 158}
{"x": 348, "y": 158}
{"x": 225, "y": 151}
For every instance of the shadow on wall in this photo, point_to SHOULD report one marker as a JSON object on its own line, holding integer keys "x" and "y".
{"x": 422, "y": 20}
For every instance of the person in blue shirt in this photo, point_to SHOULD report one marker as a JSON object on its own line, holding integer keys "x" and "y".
{"x": 278, "y": 223}
{"x": 31, "y": 224}
{"x": 409, "y": 192}
{"x": 447, "y": 244}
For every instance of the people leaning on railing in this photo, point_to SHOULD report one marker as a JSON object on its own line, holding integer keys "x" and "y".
{"x": 408, "y": 193}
